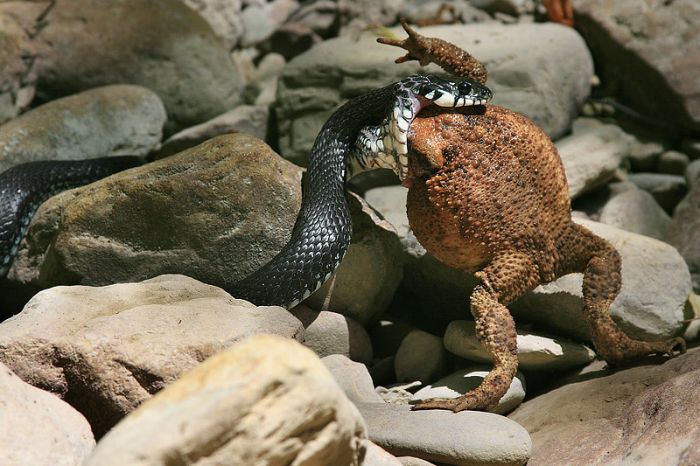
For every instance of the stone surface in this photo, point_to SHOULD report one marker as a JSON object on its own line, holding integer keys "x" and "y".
{"x": 658, "y": 51}
{"x": 356, "y": 15}
{"x": 413, "y": 461}
{"x": 224, "y": 17}
{"x": 38, "y": 428}
{"x": 668, "y": 190}
{"x": 353, "y": 378}
{"x": 420, "y": 357}
{"x": 390, "y": 201}
{"x": 535, "y": 352}
{"x": 544, "y": 74}
{"x": 251, "y": 119}
{"x": 266, "y": 400}
{"x": 364, "y": 284}
{"x": 692, "y": 174}
{"x": 261, "y": 19}
{"x": 655, "y": 286}
{"x": 327, "y": 333}
{"x": 109, "y": 120}
{"x": 461, "y": 11}
{"x": 592, "y": 154}
{"x": 106, "y": 350}
{"x": 684, "y": 233}
{"x": 636, "y": 211}
{"x": 672, "y": 162}
{"x": 377, "y": 456}
{"x": 215, "y": 212}
{"x": 468, "y": 378}
{"x": 162, "y": 45}
{"x": 645, "y": 415}
{"x": 466, "y": 438}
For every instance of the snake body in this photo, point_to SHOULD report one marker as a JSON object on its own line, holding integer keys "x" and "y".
{"x": 366, "y": 132}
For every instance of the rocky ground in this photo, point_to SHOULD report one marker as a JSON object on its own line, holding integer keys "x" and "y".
{"x": 115, "y": 328}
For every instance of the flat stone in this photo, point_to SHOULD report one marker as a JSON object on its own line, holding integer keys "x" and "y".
{"x": 164, "y": 45}
{"x": 683, "y": 233}
{"x": 545, "y": 74}
{"x": 38, "y": 427}
{"x": 468, "y": 378}
{"x": 668, "y": 190}
{"x": 420, "y": 357}
{"x": 353, "y": 378}
{"x": 643, "y": 415}
{"x": 264, "y": 400}
{"x": 636, "y": 211}
{"x": 101, "y": 122}
{"x": 106, "y": 350}
{"x": 535, "y": 352}
{"x": 327, "y": 333}
{"x": 377, "y": 456}
{"x": 655, "y": 287}
{"x": 465, "y": 438}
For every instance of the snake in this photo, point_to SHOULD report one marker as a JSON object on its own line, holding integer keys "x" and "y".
{"x": 368, "y": 131}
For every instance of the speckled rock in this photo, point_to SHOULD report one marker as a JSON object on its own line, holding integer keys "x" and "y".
{"x": 535, "y": 352}
{"x": 420, "y": 357}
{"x": 353, "y": 378}
{"x": 263, "y": 401}
{"x": 545, "y": 74}
{"x": 327, "y": 333}
{"x": 684, "y": 233}
{"x": 164, "y": 45}
{"x": 101, "y": 122}
{"x": 39, "y": 428}
{"x": 183, "y": 214}
{"x": 468, "y": 378}
{"x": 668, "y": 190}
{"x": 636, "y": 211}
{"x": 655, "y": 286}
{"x": 465, "y": 438}
{"x": 632, "y": 47}
{"x": 644, "y": 415}
{"x": 106, "y": 350}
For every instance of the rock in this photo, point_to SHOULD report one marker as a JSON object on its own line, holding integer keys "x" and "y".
{"x": 629, "y": 47}
{"x": 468, "y": 378}
{"x": 262, "y": 401}
{"x": 650, "y": 306}
{"x": 465, "y": 438}
{"x": 592, "y": 154}
{"x": 292, "y": 39}
{"x": 356, "y": 15}
{"x": 266, "y": 76}
{"x": 382, "y": 371}
{"x": 319, "y": 16}
{"x": 224, "y": 17}
{"x": 509, "y": 7}
{"x": 668, "y": 190}
{"x": 328, "y": 333}
{"x": 398, "y": 394}
{"x": 413, "y": 461}
{"x": 460, "y": 11}
{"x": 692, "y": 332}
{"x": 420, "y": 357}
{"x": 38, "y": 427}
{"x": 525, "y": 75}
{"x": 18, "y": 55}
{"x": 644, "y": 154}
{"x": 377, "y": 456}
{"x": 636, "y": 211}
{"x": 187, "y": 213}
{"x": 363, "y": 286}
{"x": 110, "y": 120}
{"x": 643, "y": 415}
{"x": 691, "y": 147}
{"x": 683, "y": 233}
{"x": 353, "y": 378}
{"x": 390, "y": 202}
{"x": 387, "y": 335}
{"x": 672, "y": 162}
{"x": 262, "y": 19}
{"x": 251, "y": 119}
{"x": 692, "y": 174}
{"x": 535, "y": 352}
{"x": 106, "y": 350}
{"x": 162, "y": 45}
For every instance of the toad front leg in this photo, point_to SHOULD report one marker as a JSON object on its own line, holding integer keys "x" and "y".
{"x": 508, "y": 276}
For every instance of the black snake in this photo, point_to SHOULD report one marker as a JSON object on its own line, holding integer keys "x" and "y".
{"x": 368, "y": 131}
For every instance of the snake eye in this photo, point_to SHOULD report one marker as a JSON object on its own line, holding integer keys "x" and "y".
{"x": 464, "y": 87}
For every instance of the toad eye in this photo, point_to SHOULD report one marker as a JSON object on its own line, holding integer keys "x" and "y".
{"x": 464, "y": 88}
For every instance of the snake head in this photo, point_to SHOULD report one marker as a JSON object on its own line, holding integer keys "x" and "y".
{"x": 459, "y": 92}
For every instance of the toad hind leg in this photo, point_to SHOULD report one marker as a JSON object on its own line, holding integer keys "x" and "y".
{"x": 508, "y": 276}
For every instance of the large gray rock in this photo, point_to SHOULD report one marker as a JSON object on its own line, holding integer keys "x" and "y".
{"x": 645, "y": 415}
{"x": 38, "y": 428}
{"x": 656, "y": 50}
{"x": 421, "y": 356}
{"x": 106, "y": 350}
{"x": 655, "y": 287}
{"x": 636, "y": 211}
{"x": 467, "y": 438}
{"x": 541, "y": 70}
{"x": 162, "y": 45}
{"x": 668, "y": 190}
{"x": 101, "y": 122}
{"x": 266, "y": 400}
{"x": 535, "y": 352}
{"x": 215, "y": 212}
{"x": 684, "y": 233}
